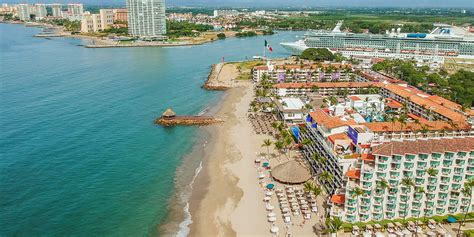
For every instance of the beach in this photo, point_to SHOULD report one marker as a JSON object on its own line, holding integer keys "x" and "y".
{"x": 218, "y": 205}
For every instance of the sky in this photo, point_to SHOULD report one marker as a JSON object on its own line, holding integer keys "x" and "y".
{"x": 284, "y": 3}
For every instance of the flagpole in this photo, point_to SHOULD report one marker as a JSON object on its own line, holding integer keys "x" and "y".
{"x": 264, "y": 50}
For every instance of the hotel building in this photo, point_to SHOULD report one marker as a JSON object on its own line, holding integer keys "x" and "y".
{"x": 57, "y": 9}
{"x": 23, "y": 12}
{"x": 146, "y": 18}
{"x": 40, "y": 11}
{"x": 75, "y": 11}
{"x": 452, "y": 158}
{"x": 120, "y": 15}
{"x": 305, "y": 72}
{"x": 97, "y": 22}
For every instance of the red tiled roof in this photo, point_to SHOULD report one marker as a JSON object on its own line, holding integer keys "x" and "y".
{"x": 368, "y": 157}
{"x": 353, "y": 174}
{"x": 393, "y": 103}
{"x": 422, "y": 99}
{"x": 425, "y": 146}
{"x": 322, "y": 118}
{"x": 338, "y": 136}
{"x": 326, "y": 85}
{"x": 260, "y": 68}
{"x": 412, "y": 126}
{"x": 354, "y": 98}
{"x": 338, "y": 198}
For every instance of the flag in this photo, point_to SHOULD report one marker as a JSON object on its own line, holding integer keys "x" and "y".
{"x": 267, "y": 45}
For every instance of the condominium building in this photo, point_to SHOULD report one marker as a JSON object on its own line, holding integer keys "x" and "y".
{"x": 106, "y": 17}
{"x": 56, "y": 9}
{"x": 305, "y": 72}
{"x": 324, "y": 88}
{"x": 40, "y": 11}
{"x": 120, "y": 15}
{"x": 225, "y": 13}
{"x": 146, "y": 18}
{"x": 97, "y": 22}
{"x": 451, "y": 158}
{"x": 75, "y": 11}
{"x": 24, "y": 12}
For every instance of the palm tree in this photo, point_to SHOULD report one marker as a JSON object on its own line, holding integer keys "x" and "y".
{"x": 309, "y": 186}
{"x": 432, "y": 172}
{"x": 356, "y": 193}
{"x": 467, "y": 192}
{"x": 267, "y": 143}
{"x": 366, "y": 101}
{"x": 334, "y": 224}
{"x": 408, "y": 183}
{"x": 279, "y": 147}
{"x": 383, "y": 185}
{"x": 420, "y": 190}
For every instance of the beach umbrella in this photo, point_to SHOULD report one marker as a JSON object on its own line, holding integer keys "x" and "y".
{"x": 257, "y": 160}
{"x": 451, "y": 219}
{"x": 272, "y": 219}
{"x": 266, "y": 164}
{"x": 269, "y": 193}
{"x": 270, "y": 186}
{"x": 270, "y": 207}
{"x": 285, "y": 209}
{"x": 274, "y": 229}
{"x": 267, "y": 199}
{"x": 271, "y": 214}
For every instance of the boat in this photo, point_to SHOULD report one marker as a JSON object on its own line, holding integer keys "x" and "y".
{"x": 444, "y": 41}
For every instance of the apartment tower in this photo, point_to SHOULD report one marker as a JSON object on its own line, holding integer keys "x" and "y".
{"x": 146, "y": 18}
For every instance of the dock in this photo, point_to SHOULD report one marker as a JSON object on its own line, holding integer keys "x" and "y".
{"x": 169, "y": 118}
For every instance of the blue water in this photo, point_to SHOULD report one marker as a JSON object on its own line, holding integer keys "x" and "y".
{"x": 79, "y": 153}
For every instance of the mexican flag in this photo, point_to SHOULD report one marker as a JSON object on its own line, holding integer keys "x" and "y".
{"x": 267, "y": 45}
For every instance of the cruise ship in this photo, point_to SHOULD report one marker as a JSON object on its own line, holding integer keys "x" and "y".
{"x": 443, "y": 41}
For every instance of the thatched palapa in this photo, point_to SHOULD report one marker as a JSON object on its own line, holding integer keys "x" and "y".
{"x": 291, "y": 172}
{"x": 169, "y": 113}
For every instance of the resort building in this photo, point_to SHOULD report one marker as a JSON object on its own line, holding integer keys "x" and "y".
{"x": 437, "y": 167}
{"x": 290, "y": 110}
{"x": 305, "y": 72}
{"x": 97, "y": 22}
{"x": 296, "y": 89}
{"x": 120, "y": 15}
{"x": 146, "y": 18}
{"x": 225, "y": 13}
{"x": 40, "y": 12}
{"x": 24, "y": 12}
{"x": 75, "y": 11}
{"x": 57, "y": 10}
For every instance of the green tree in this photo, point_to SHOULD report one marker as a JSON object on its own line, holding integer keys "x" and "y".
{"x": 467, "y": 192}
{"x": 407, "y": 183}
{"x": 383, "y": 185}
{"x": 334, "y": 224}
{"x": 221, "y": 36}
{"x": 356, "y": 193}
{"x": 267, "y": 143}
{"x": 317, "y": 54}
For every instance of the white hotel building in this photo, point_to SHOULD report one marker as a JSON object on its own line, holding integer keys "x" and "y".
{"x": 146, "y": 18}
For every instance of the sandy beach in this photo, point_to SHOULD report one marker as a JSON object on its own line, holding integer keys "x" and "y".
{"x": 222, "y": 209}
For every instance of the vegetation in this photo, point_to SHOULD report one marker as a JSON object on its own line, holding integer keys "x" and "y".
{"x": 359, "y": 20}
{"x": 176, "y": 29}
{"x": 246, "y": 34}
{"x": 317, "y": 54}
{"x": 9, "y": 17}
{"x": 458, "y": 87}
{"x": 439, "y": 219}
{"x": 221, "y": 36}
{"x": 117, "y": 31}
{"x": 72, "y": 26}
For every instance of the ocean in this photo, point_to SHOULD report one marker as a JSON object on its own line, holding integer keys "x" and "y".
{"x": 79, "y": 153}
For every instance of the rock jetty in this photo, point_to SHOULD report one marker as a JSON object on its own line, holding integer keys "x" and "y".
{"x": 169, "y": 118}
{"x": 212, "y": 82}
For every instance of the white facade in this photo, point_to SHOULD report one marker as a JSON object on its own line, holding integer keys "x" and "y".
{"x": 24, "y": 12}
{"x": 75, "y": 11}
{"x": 57, "y": 10}
{"x": 146, "y": 18}
{"x": 40, "y": 12}
{"x": 106, "y": 17}
{"x": 97, "y": 22}
{"x": 225, "y": 13}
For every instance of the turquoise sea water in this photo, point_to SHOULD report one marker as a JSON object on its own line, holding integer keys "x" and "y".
{"x": 79, "y": 153}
